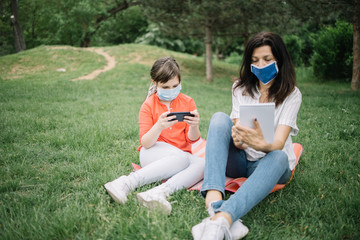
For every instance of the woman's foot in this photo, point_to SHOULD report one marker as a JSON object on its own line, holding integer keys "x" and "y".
{"x": 212, "y": 229}
{"x": 238, "y": 230}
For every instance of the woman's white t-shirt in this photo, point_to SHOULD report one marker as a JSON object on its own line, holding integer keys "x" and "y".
{"x": 285, "y": 114}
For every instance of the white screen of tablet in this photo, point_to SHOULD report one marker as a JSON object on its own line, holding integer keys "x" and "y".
{"x": 264, "y": 112}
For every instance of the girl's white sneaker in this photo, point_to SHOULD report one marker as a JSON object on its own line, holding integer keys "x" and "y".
{"x": 118, "y": 189}
{"x": 155, "y": 199}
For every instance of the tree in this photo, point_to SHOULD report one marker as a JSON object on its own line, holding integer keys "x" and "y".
{"x": 19, "y": 41}
{"x": 67, "y": 21}
{"x": 356, "y": 47}
{"x": 321, "y": 11}
{"x": 90, "y": 31}
{"x": 216, "y": 22}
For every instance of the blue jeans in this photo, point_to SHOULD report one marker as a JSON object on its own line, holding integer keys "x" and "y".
{"x": 223, "y": 158}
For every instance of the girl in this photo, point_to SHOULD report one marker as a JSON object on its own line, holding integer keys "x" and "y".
{"x": 165, "y": 150}
{"x": 266, "y": 75}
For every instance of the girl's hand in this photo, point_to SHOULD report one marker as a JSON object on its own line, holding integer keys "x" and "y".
{"x": 193, "y": 121}
{"x": 252, "y": 137}
{"x": 164, "y": 121}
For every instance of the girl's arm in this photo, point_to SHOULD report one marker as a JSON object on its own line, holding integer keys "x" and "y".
{"x": 193, "y": 122}
{"x": 254, "y": 138}
{"x": 150, "y": 138}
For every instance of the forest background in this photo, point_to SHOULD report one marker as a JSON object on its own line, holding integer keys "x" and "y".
{"x": 321, "y": 34}
{"x": 61, "y": 139}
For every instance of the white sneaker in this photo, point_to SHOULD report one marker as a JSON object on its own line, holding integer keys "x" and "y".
{"x": 155, "y": 199}
{"x": 118, "y": 189}
{"x": 212, "y": 229}
{"x": 238, "y": 230}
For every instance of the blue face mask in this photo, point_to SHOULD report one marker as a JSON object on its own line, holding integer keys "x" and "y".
{"x": 168, "y": 94}
{"x": 267, "y": 73}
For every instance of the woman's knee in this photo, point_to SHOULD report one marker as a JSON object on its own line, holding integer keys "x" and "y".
{"x": 280, "y": 158}
{"x": 220, "y": 120}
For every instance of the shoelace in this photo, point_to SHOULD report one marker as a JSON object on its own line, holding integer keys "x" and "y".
{"x": 226, "y": 230}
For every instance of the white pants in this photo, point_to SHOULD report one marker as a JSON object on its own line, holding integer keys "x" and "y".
{"x": 164, "y": 161}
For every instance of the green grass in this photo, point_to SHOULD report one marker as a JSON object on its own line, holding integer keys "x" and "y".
{"x": 60, "y": 141}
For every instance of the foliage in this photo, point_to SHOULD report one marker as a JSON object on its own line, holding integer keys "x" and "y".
{"x": 125, "y": 27}
{"x": 234, "y": 58}
{"x": 155, "y": 37}
{"x": 72, "y": 23}
{"x": 60, "y": 141}
{"x": 6, "y": 31}
{"x": 333, "y": 54}
{"x": 293, "y": 44}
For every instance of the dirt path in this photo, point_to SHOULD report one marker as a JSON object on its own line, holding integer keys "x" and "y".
{"x": 111, "y": 62}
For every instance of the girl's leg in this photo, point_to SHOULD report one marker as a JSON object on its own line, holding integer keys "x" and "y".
{"x": 269, "y": 170}
{"x": 159, "y": 162}
{"x": 155, "y": 198}
{"x": 189, "y": 176}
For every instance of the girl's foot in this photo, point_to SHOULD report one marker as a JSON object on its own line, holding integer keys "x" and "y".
{"x": 155, "y": 199}
{"x": 119, "y": 189}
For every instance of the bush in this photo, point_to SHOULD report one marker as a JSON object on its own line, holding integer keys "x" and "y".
{"x": 155, "y": 37}
{"x": 333, "y": 54}
{"x": 234, "y": 58}
{"x": 294, "y": 46}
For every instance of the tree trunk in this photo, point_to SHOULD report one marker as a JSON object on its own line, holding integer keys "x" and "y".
{"x": 85, "y": 42}
{"x": 19, "y": 41}
{"x": 356, "y": 47}
{"x": 208, "y": 53}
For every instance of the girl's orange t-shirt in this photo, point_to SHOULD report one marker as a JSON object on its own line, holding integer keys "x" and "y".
{"x": 175, "y": 135}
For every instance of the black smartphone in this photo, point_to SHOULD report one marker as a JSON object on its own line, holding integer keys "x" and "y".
{"x": 180, "y": 115}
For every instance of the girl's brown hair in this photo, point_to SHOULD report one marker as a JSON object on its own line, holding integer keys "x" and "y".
{"x": 165, "y": 69}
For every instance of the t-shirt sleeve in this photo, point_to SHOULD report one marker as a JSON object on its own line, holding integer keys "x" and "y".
{"x": 235, "y": 112}
{"x": 145, "y": 119}
{"x": 290, "y": 111}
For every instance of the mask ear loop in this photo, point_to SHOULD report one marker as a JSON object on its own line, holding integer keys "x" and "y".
{"x": 152, "y": 90}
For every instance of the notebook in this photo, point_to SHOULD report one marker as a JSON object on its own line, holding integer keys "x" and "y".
{"x": 264, "y": 112}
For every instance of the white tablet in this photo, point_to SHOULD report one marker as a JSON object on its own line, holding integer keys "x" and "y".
{"x": 265, "y": 114}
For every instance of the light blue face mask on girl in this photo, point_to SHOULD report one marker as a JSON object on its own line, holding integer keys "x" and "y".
{"x": 266, "y": 73}
{"x": 168, "y": 94}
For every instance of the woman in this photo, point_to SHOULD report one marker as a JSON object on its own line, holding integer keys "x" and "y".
{"x": 165, "y": 150}
{"x": 266, "y": 75}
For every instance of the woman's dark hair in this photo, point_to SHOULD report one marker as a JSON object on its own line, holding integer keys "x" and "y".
{"x": 165, "y": 69}
{"x": 285, "y": 81}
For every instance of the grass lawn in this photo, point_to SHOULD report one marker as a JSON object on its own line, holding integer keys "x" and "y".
{"x": 61, "y": 140}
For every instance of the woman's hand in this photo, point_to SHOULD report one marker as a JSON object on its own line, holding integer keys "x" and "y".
{"x": 237, "y": 139}
{"x": 252, "y": 137}
{"x": 193, "y": 121}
